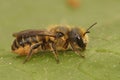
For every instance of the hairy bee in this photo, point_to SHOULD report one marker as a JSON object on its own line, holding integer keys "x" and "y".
{"x": 59, "y": 37}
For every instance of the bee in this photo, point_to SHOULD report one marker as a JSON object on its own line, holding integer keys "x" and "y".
{"x": 59, "y": 37}
{"x": 28, "y": 42}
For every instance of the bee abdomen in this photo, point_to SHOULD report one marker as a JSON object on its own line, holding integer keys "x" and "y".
{"x": 14, "y": 45}
{"x": 20, "y": 43}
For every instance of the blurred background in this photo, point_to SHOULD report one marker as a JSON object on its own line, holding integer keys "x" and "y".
{"x": 103, "y": 58}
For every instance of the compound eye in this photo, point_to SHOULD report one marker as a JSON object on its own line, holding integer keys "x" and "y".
{"x": 59, "y": 34}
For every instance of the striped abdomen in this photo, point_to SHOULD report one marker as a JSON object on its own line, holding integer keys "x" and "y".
{"x": 22, "y": 44}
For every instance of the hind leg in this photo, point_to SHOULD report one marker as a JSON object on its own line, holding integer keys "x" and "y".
{"x": 31, "y": 51}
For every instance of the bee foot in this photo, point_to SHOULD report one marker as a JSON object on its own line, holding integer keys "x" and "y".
{"x": 57, "y": 60}
{"x": 82, "y": 55}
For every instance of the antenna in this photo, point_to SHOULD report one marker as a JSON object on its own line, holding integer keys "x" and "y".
{"x": 87, "y": 31}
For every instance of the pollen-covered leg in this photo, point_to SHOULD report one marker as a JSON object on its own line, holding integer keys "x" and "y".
{"x": 31, "y": 51}
{"x": 76, "y": 50}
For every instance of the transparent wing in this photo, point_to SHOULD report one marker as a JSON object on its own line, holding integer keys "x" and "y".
{"x": 33, "y": 33}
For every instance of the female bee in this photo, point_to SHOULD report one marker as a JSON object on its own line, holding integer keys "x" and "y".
{"x": 59, "y": 37}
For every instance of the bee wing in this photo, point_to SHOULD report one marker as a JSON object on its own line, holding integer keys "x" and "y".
{"x": 33, "y": 32}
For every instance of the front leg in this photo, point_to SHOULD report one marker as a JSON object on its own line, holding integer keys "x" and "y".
{"x": 76, "y": 50}
{"x": 55, "y": 52}
{"x": 65, "y": 46}
{"x": 31, "y": 51}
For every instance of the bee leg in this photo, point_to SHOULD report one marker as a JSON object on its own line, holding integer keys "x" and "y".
{"x": 65, "y": 46}
{"x": 30, "y": 52}
{"x": 55, "y": 52}
{"x": 76, "y": 50}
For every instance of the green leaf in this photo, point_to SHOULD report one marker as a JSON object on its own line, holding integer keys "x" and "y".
{"x": 102, "y": 60}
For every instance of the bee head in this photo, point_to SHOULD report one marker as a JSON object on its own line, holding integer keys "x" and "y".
{"x": 79, "y": 37}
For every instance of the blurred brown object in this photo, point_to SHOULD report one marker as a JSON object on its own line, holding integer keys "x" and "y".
{"x": 74, "y": 3}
